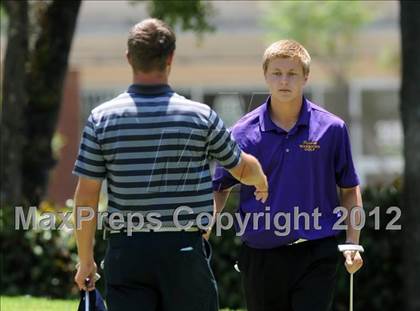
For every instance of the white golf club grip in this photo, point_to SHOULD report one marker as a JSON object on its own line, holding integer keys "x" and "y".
{"x": 350, "y": 247}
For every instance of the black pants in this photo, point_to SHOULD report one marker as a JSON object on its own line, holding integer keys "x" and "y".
{"x": 298, "y": 277}
{"x": 165, "y": 271}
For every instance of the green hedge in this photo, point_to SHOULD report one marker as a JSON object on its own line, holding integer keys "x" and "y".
{"x": 36, "y": 262}
{"x": 42, "y": 263}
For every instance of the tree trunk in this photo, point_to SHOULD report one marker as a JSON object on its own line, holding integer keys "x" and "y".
{"x": 410, "y": 115}
{"x": 14, "y": 100}
{"x": 48, "y": 68}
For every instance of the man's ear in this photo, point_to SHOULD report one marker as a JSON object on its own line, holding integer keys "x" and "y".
{"x": 170, "y": 59}
{"x": 128, "y": 56}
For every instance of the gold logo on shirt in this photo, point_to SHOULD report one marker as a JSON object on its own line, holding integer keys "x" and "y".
{"x": 309, "y": 145}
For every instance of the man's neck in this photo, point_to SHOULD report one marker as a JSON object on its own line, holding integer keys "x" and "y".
{"x": 150, "y": 78}
{"x": 285, "y": 114}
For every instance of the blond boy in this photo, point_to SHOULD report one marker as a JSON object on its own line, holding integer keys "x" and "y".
{"x": 289, "y": 255}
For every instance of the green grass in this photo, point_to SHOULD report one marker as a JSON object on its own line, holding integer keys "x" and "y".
{"x": 36, "y": 304}
{"x": 39, "y": 304}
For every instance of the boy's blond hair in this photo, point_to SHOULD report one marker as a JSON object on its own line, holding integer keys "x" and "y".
{"x": 287, "y": 49}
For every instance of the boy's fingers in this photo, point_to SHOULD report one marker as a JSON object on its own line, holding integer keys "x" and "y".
{"x": 358, "y": 260}
{"x": 353, "y": 261}
{"x": 349, "y": 258}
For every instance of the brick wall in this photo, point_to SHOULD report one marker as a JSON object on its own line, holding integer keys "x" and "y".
{"x": 62, "y": 183}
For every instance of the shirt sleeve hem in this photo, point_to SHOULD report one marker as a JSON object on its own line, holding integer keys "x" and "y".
{"x": 220, "y": 186}
{"x": 77, "y": 173}
{"x": 350, "y": 184}
{"x": 235, "y": 162}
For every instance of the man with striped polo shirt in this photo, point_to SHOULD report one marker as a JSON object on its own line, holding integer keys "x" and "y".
{"x": 153, "y": 148}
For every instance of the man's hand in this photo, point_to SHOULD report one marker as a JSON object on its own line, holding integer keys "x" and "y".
{"x": 249, "y": 172}
{"x": 85, "y": 271}
{"x": 261, "y": 191}
{"x": 353, "y": 261}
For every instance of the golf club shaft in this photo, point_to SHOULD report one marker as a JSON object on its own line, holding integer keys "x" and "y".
{"x": 87, "y": 302}
{"x": 87, "y": 307}
{"x": 351, "y": 292}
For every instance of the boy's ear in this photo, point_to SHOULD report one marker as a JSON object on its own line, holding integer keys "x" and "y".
{"x": 306, "y": 77}
{"x": 265, "y": 74}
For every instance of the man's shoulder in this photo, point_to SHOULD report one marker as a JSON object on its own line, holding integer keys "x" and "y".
{"x": 190, "y": 105}
{"x": 113, "y": 103}
{"x": 323, "y": 116}
{"x": 168, "y": 102}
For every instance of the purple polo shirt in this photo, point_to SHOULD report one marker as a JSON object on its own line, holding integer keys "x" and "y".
{"x": 304, "y": 167}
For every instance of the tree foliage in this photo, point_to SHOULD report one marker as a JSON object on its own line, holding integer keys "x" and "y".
{"x": 326, "y": 28}
{"x": 189, "y": 15}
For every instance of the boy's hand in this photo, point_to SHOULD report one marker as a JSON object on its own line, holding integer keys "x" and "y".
{"x": 353, "y": 261}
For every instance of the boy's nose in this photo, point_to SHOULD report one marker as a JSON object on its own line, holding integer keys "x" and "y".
{"x": 284, "y": 80}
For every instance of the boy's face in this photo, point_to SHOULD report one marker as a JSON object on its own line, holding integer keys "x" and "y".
{"x": 285, "y": 79}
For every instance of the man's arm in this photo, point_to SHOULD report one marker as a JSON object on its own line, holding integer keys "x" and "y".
{"x": 351, "y": 198}
{"x": 86, "y": 200}
{"x": 242, "y": 166}
{"x": 249, "y": 172}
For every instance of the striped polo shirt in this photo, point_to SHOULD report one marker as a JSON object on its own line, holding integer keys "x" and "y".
{"x": 153, "y": 147}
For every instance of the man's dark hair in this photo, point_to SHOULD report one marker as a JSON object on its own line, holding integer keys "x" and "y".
{"x": 150, "y": 43}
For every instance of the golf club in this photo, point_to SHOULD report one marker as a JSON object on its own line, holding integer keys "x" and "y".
{"x": 87, "y": 302}
{"x": 91, "y": 300}
{"x": 350, "y": 247}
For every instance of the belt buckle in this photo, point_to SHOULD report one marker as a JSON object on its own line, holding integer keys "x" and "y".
{"x": 298, "y": 241}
